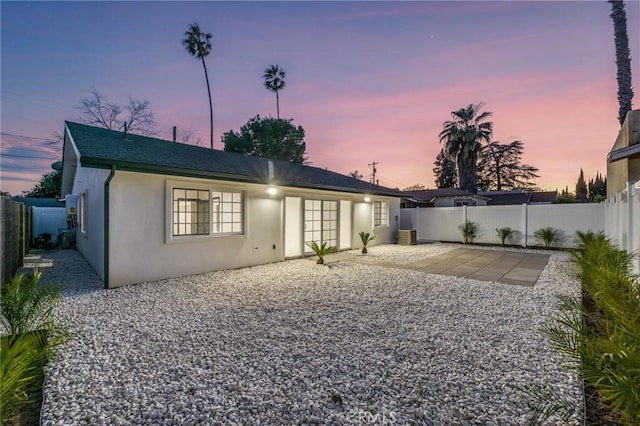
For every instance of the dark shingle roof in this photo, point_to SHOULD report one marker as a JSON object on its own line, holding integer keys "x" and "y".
{"x": 104, "y": 148}
{"x": 430, "y": 194}
{"x": 506, "y": 198}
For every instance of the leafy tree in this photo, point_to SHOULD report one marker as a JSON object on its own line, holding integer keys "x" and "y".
{"x": 445, "y": 171}
{"x": 416, "y": 187}
{"x": 565, "y": 197}
{"x": 463, "y": 138}
{"x": 274, "y": 82}
{"x": 97, "y": 111}
{"x": 623, "y": 58}
{"x": 597, "y": 189}
{"x": 198, "y": 44}
{"x": 268, "y": 137}
{"x": 49, "y": 186}
{"x": 581, "y": 188}
{"x": 500, "y": 167}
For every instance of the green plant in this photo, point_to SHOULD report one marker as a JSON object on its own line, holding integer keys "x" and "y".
{"x": 600, "y": 334}
{"x": 469, "y": 231}
{"x": 27, "y": 306}
{"x": 366, "y": 238}
{"x": 548, "y": 236}
{"x": 31, "y": 337}
{"x": 504, "y": 234}
{"x": 321, "y": 250}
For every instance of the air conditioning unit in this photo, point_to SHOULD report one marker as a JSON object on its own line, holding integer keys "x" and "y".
{"x": 406, "y": 237}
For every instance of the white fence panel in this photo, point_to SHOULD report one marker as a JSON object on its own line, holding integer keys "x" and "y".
{"x": 488, "y": 218}
{"x": 49, "y": 220}
{"x": 442, "y": 223}
{"x": 567, "y": 218}
{"x": 622, "y": 220}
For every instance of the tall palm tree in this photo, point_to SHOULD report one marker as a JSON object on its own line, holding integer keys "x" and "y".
{"x": 623, "y": 59}
{"x": 463, "y": 138}
{"x": 274, "y": 82}
{"x": 198, "y": 44}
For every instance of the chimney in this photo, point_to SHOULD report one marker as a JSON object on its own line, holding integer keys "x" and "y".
{"x": 174, "y": 133}
{"x": 125, "y": 130}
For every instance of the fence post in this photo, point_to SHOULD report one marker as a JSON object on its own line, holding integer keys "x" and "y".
{"x": 416, "y": 222}
{"x": 630, "y": 216}
{"x": 524, "y": 225}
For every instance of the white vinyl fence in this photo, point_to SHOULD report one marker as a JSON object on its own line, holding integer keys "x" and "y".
{"x": 622, "y": 220}
{"x": 442, "y": 223}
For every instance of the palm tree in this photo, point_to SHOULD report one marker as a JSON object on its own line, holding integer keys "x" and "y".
{"x": 623, "y": 59}
{"x": 198, "y": 44}
{"x": 274, "y": 82}
{"x": 463, "y": 138}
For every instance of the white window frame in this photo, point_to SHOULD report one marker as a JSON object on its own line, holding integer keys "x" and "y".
{"x": 82, "y": 213}
{"x": 239, "y": 204}
{"x": 380, "y": 214}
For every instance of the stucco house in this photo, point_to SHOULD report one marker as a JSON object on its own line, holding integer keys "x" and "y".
{"x": 148, "y": 209}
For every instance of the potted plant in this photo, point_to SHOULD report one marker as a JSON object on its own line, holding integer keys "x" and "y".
{"x": 366, "y": 239}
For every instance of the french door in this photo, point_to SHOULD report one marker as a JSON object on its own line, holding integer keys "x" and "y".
{"x": 320, "y": 223}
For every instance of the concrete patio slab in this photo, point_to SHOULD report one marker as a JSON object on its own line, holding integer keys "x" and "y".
{"x": 486, "y": 265}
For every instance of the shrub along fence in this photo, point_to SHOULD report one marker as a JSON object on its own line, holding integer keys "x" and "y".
{"x": 15, "y": 222}
{"x": 442, "y": 223}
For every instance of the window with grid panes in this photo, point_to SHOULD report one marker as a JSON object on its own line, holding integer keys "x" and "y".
{"x": 191, "y": 212}
{"x": 226, "y": 212}
{"x": 380, "y": 213}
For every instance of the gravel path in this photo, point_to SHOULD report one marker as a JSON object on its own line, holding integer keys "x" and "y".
{"x": 295, "y": 342}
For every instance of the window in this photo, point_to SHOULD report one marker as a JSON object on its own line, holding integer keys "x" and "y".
{"x": 82, "y": 212}
{"x": 190, "y": 212}
{"x": 380, "y": 213}
{"x": 460, "y": 203}
{"x": 227, "y": 212}
{"x": 206, "y": 212}
{"x": 320, "y": 222}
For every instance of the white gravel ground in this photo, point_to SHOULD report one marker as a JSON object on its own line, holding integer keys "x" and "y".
{"x": 295, "y": 343}
{"x": 403, "y": 255}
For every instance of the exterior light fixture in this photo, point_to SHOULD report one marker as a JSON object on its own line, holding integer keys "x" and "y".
{"x": 367, "y": 199}
{"x": 272, "y": 190}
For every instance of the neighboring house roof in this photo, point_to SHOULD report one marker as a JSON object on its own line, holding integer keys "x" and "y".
{"x": 494, "y": 198}
{"x": 506, "y": 198}
{"x": 39, "y": 202}
{"x": 102, "y": 148}
{"x": 429, "y": 195}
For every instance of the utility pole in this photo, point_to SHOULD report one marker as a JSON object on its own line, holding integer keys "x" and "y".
{"x": 373, "y": 175}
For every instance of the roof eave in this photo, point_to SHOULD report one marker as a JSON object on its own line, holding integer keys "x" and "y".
{"x": 628, "y": 152}
{"x": 128, "y": 166}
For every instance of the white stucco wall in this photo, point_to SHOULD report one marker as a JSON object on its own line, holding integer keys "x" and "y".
{"x": 91, "y": 243}
{"x": 141, "y": 250}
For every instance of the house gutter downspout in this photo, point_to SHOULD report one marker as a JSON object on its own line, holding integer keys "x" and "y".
{"x": 106, "y": 226}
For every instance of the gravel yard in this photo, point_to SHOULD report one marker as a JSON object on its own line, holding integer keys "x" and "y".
{"x": 295, "y": 342}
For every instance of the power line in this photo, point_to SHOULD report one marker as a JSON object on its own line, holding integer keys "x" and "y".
{"x": 25, "y": 136}
{"x": 28, "y": 156}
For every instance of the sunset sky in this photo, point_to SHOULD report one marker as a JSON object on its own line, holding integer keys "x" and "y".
{"x": 368, "y": 81}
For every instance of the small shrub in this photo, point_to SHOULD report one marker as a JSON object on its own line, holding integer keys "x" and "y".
{"x": 547, "y": 236}
{"x": 599, "y": 334}
{"x": 505, "y": 234}
{"x": 469, "y": 231}
{"x": 321, "y": 250}
{"x": 366, "y": 238}
{"x": 30, "y": 339}
{"x": 27, "y": 306}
